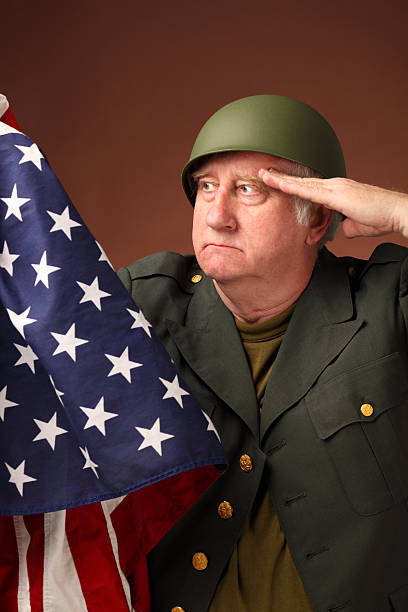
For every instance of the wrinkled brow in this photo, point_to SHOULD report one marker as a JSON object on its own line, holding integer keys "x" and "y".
{"x": 247, "y": 178}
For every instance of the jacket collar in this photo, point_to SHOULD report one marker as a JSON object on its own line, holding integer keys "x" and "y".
{"x": 321, "y": 326}
{"x": 210, "y": 343}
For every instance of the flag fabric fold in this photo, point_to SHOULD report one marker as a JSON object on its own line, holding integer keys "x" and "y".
{"x": 6, "y": 114}
{"x": 91, "y": 408}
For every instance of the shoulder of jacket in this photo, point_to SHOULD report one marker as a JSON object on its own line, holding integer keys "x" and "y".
{"x": 180, "y": 268}
{"x": 386, "y": 253}
{"x": 383, "y": 254}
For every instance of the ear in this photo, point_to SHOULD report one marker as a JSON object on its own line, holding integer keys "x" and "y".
{"x": 319, "y": 224}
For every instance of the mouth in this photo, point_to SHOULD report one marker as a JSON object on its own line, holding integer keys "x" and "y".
{"x": 220, "y": 245}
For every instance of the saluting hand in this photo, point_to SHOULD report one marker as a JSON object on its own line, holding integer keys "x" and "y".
{"x": 370, "y": 210}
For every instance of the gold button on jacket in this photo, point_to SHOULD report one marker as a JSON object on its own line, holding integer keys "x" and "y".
{"x": 196, "y": 278}
{"x": 177, "y": 609}
{"x": 367, "y": 410}
{"x": 199, "y": 561}
{"x": 245, "y": 463}
{"x": 225, "y": 510}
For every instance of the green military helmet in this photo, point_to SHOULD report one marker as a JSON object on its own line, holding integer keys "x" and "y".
{"x": 271, "y": 124}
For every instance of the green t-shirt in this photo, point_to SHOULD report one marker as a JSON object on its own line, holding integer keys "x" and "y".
{"x": 261, "y": 574}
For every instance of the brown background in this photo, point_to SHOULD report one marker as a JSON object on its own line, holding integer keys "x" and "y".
{"x": 115, "y": 92}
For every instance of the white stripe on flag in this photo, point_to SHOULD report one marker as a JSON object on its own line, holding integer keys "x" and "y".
{"x": 108, "y": 507}
{"x": 62, "y": 589}
{"x": 23, "y": 541}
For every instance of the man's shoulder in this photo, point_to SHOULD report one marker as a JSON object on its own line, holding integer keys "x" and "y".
{"x": 163, "y": 285}
{"x": 166, "y": 264}
{"x": 386, "y": 253}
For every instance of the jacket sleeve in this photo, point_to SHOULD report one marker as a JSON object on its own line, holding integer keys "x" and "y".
{"x": 124, "y": 276}
{"x": 403, "y": 296}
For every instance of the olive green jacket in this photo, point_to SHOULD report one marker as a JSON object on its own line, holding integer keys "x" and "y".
{"x": 338, "y": 476}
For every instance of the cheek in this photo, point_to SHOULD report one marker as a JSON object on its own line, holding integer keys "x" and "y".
{"x": 197, "y": 227}
{"x": 276, "y": 234}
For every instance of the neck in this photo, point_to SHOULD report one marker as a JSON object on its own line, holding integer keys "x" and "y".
{"x": 256, "y": 300}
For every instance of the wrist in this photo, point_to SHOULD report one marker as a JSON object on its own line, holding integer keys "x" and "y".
{"x": 402, "y": 214}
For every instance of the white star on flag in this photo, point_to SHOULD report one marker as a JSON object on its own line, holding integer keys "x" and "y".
{"x": 43, "y": 270}
{"x": 49, "y": 430}
{"x": 88, "y": 461}
{"x": 173, "y": 390}
{"x": 67, "y": 342}
{"x": 59, "y": 394}
{"x": 18, "y": 477}
{"x": 14, "y": 203}
{"x": 210, "y": 426}
{"x": 4, "y": 402}
{"x": 20, "y": 320}
{"x": 122, "y": 365}
{"x": 97, "y": 416}
{"x": 63, "y": 222}
{"x": 92, "y": 293}
{"x": 31, "y": 154}
{"x": 103, "y": 256}
{"x": 27, "y": 356}
{"x": 7, "y": 258}
{"x": 140, "y": 321}
{"x": 153, "y": 437}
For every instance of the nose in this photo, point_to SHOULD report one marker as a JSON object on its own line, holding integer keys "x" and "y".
{"x": 221, "y": 213}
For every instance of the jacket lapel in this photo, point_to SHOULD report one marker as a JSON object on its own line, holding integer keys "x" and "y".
{"x": 320, "y": 328}
{"x": 210, "y": 343}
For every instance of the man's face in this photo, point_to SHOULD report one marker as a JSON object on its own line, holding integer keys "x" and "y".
{"x": 243, "y": 229}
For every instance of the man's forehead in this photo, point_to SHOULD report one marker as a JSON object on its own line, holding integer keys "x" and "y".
{"x": 235, "y": 160}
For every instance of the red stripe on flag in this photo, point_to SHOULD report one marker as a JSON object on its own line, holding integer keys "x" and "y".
{"x": 8, "y": 565}
{"x": 9, "y": 118}
{"x": 145, "y": 516}
{"x": 35, "y": 560}
{"x": 94, "y": 560}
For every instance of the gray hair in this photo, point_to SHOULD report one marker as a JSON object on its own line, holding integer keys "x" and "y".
{"x": 304, "y": 208}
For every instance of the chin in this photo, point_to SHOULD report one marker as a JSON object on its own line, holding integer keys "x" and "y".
{"x": 221, "y": 273}
{"x": 220, "y": 267}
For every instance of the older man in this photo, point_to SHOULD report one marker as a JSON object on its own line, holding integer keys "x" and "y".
{"x": 300, "y": 360}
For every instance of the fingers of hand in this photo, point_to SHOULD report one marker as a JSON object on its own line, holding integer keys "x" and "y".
{"x": 371, "y": 210}
{"x": 317, "y": 190}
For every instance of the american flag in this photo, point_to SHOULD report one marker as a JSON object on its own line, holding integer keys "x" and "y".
{"x": 91, "y": 409}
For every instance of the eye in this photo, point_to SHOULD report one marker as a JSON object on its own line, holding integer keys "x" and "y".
{"x": 206, "y": 186}
{"x": 247, "y": 189}
{"x": 250, "y": 194}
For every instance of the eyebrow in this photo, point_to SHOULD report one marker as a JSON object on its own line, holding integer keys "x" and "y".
{"x": 198, "y": 175}
{"x": 253, "y": 179}
{"x": 250, "y": 178}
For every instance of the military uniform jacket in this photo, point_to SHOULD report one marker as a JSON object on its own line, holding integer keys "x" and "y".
{"x": 332, "y": 435}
